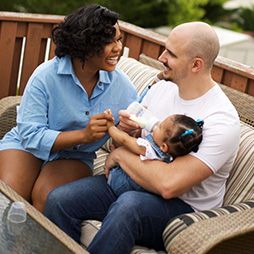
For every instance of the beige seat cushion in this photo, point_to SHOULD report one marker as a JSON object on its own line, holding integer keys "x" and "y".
{"x": 90, "y": 228}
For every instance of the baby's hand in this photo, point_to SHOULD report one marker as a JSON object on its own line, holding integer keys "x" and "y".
{"x": 108, "y": 111}
{"x": 110, "y": 122}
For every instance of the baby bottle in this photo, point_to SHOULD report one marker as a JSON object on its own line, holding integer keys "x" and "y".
{"x": 143, "y": 117}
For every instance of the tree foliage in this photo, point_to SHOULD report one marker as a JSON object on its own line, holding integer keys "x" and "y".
{"x": 215, "y": 12}
{"x": 180, "y": 11}
{"x": 42, "y": 6}
{"x": 246, "y": 19}
{"x": 145, "y": 13}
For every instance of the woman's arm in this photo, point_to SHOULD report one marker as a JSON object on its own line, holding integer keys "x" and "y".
{"x": 33, "y": 125}
{"x": 95, "y": 130}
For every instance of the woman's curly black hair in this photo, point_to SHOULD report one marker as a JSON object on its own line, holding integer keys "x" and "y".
{"x": 85, "y": 32}
{"x": 186, "y": 136}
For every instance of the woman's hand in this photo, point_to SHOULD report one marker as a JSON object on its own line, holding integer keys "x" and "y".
{"x": 96, "y": 128}
{"x": 111, "y": 120}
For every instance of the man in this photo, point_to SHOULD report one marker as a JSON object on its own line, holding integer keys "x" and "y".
{"x": 190, "y": 183}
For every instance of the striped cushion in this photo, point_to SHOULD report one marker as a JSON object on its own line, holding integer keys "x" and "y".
{"x": 140, "y": 74}
{"x": 180, "y": 223}
{"x": 143, "y": 250}
{"x": 88, "y": 231}
{"x": 99, "y": 162}
{"x": 240, "y": 185}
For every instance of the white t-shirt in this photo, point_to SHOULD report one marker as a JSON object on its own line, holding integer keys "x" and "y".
{"x": 221, "y": 136}
{"x": 150, "y": 154}
{"x": 153, "y": 152}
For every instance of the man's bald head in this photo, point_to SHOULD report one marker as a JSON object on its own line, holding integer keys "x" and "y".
{"x": 200, "y": 40}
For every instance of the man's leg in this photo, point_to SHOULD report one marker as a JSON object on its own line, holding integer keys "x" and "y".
{"x": 68, "y": 205}
{"x": 136, "y": 218}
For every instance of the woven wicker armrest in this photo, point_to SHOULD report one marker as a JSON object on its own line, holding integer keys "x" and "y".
{"x": 243, "y": 103}
{"x": 8, "y": 113}
{"x": 227, "y": 233}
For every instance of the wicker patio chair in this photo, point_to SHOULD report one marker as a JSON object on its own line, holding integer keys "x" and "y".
{"x": 8, "y": 109}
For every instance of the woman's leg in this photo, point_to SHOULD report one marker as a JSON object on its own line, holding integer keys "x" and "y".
{"x": 68, "y": 205}
{"x": 54, "y": 174}
{"x": 136, "y": 218}
{"x": 19, "y": 170}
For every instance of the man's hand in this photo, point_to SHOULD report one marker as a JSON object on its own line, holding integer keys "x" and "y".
{"x": 127, "y": 125}
{"x": 110, "y": 162}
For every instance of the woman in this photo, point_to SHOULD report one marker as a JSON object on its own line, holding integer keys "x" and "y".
{"x": 60, "y": 123}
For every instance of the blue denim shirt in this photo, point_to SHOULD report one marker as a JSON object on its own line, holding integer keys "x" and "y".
{"x": 54, "y": 100}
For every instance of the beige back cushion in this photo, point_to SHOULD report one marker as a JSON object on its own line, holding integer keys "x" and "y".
{"x": 240, "y": 185}
{"x": 140, "y": 74}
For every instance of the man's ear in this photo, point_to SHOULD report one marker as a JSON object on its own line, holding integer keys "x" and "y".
{"x": 197, "y": 64}
{"x": 164, "y": 148}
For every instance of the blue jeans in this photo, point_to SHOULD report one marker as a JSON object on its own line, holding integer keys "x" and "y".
{"x": 132, "y": 218}
{"x": 120, "y": 182}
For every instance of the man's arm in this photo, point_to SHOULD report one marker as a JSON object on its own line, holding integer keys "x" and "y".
{"x": 166, "y": 179}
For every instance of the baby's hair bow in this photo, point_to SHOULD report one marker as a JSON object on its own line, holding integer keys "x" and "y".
{"x": 200, "y": 123}
{"x": 187, "y": 132}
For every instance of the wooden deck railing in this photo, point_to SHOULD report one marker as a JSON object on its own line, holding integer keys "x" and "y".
{"x": 25, "y": 43}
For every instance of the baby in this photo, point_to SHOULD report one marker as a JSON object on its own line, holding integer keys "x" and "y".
{"x": 177, "y": 135}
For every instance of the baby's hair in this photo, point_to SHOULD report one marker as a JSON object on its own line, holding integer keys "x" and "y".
{"x": 186, "y": 135}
